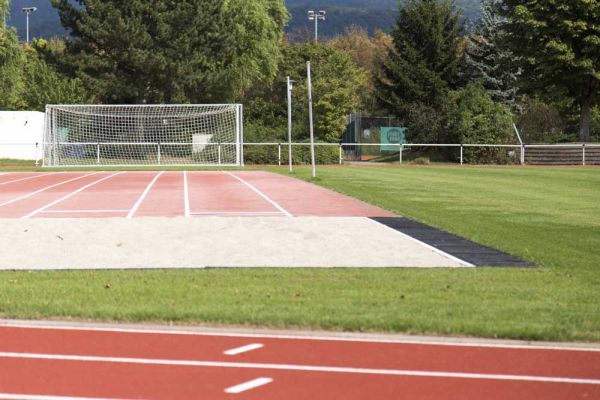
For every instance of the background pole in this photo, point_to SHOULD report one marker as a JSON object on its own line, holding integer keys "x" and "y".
{"x": 310, "y": 119}
{"x": 289, "y": 99}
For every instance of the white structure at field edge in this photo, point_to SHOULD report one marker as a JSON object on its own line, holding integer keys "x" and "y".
{"x": 20, "y": 131}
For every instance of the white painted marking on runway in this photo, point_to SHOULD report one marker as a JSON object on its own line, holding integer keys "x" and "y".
{"x": 143, "y": 196}
{"x": 244, "y": 387}
{"x": 44, "y": 189}
{"x": 261, "y": 194}
{"x": 446, "y": 342}
{"x": 73, "y": 193}
{"x": 243, "y": 349}
{"x": 304, "y": 368}
{"x": 12, "y": 396}
{"x": 186, "y": 194}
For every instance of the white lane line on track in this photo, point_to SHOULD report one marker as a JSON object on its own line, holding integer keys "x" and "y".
{"x": 508, "y": 346}
{"x": 143, "y": 196}
{"x": 430, "y": 247}
{"x": 186, "y": 194}
{"x": 82, "y": 211}
{"x": 261, "y": 194}
{"x": 302, "y": 368}
{"x": 44, "y": 189}
{"x": 234, "y": 213}
{"x": 244, "y": 387}
{"x": 12, "y": 396}
{"x": 27, "y": 178}
{"x": 243, "y": 349}
{"x": 73, "y": 193}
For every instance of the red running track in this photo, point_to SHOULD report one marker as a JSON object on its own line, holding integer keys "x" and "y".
{"x": 170, "y": 194}
{"x": 88, "y": 363}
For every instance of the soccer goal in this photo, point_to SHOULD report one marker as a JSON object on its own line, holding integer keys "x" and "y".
{"x": 143, "y": 135}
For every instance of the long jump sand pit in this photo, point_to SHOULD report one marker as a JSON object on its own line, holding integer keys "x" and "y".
{"x": 102, "y": 243}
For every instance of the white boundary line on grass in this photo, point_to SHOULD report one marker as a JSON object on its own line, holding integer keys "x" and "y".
{"x": 261, "y": 194}
{"x": 302, "y": 368}
{"x": 45, "y": 188}
{"x": 447, "y": 342}
{"x": 435, "y": 250}
{"x": 143, "y": 196}
{"x": 73, "y": 193}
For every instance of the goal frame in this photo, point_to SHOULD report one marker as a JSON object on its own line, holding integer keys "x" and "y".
{"x": 51, "y": 149}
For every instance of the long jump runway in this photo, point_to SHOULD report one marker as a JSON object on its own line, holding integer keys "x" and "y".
{"x": 198, "y": 219}
{"x": 62, "y": 363}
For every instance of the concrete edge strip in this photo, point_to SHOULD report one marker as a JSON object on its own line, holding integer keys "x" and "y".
{"x": 472, "y": 254}
{"x": 434, "y": 249}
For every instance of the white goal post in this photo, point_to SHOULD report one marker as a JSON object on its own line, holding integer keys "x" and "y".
{"x": 143, "y": 135}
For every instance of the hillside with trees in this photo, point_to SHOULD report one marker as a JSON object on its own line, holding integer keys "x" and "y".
{"x": 370, "y": 15}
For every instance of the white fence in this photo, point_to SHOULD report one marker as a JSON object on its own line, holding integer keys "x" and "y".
{"x": 33, "y": 151}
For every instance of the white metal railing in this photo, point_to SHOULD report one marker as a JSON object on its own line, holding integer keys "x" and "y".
{"x": 36, "y": 148}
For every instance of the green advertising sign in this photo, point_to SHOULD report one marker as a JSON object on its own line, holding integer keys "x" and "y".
{"x": 391, "y": 137}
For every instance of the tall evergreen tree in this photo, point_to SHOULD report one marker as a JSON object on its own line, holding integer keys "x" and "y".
{"x": 423, "y": 63}
{"x": 559, "y": 43}
{"x": 488, "y": 59}
{"x": 167, "y": 51}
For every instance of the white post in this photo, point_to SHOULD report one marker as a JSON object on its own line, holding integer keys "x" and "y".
{"x": 37, "y": 154}
{"x": 219, "y": 153}
{"x": 461, "y": 155}
{"x": 279, "y": 154}
{"x": 341, "y": 153}
{"x": 522, "y": 154}
{"x": 98, "y": 153}
{"x": 401, "y": 148}
{"x": 158, "y": 153}
{"x": 583, "y": 154}
{"x": 289, "y": 99}
{"x": 310, "y": 119}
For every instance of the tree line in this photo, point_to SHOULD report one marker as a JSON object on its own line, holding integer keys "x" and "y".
{"x": 529, "y": 62}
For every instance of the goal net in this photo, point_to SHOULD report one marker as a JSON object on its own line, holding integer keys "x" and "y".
{"x": 126, "y": 135}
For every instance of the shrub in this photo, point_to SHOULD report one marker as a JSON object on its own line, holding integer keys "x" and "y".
{"x": 476, "y": 119}
{"x": 540, "y": 122}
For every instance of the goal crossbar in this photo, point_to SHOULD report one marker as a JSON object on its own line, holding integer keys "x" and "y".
{"x": 143, "y": 135}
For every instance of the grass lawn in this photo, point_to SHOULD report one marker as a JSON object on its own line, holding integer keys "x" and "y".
{"x": 547, "y": 215}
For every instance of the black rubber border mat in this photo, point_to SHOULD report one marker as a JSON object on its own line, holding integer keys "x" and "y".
{"x": 463, "y": 249}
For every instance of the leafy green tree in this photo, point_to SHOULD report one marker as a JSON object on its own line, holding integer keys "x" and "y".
{"x": 257, "y": 32}
{"x": 337, "y": 83}
{"x": 559, "y": 42}
{"x": 11, "y": 62}
{"x": 423, "y": 63}
{"x": 44, "y": 85}
{"x": 489, "y": 60}
{"x": 162, "y": 51}
{"x": 476, "y": 118}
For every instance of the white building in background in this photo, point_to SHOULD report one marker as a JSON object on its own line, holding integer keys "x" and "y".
{"x": 19, "y": 133}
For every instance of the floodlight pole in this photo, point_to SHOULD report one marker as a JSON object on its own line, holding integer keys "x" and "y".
{"x": 316, "y": 16}
{"x": 310, "y": 118}
{"x": 289, "y": 99}
{"x": 27, "y": 11}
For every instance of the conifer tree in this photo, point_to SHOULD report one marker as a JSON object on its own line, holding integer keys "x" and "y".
{"x": 487, "y": 58}
{"x": 166, "y": 51}
{"x": 422, "y": 64}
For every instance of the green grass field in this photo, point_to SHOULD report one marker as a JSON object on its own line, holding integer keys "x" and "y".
{"x": 547, "y": 215}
